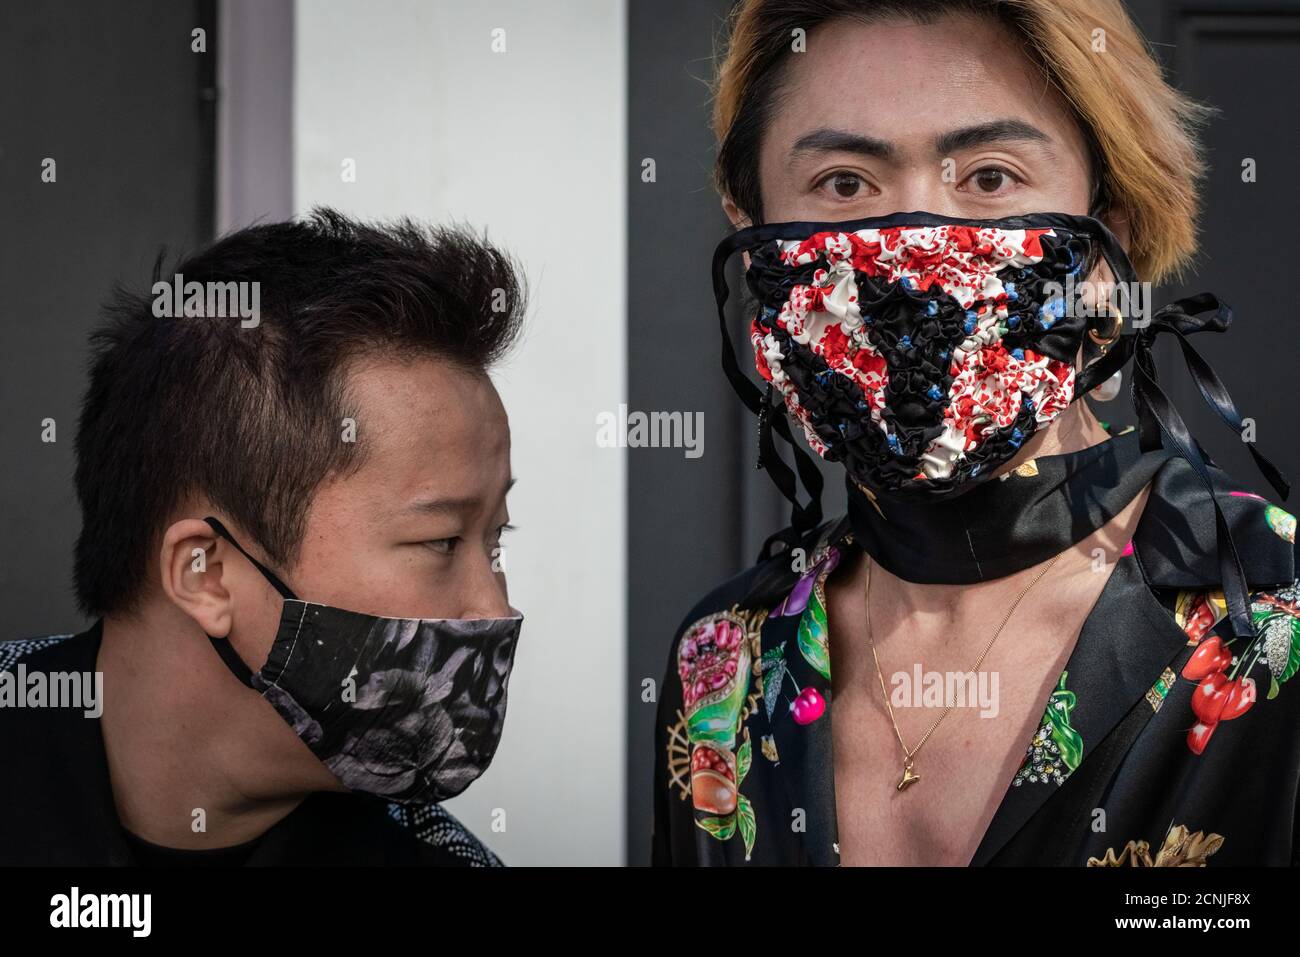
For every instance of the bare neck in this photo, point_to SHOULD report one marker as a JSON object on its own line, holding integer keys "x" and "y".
{"x": 196, "y": 759}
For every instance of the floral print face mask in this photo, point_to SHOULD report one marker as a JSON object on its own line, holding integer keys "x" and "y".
{"x": 923, "y": 352}
{"x": 408, "y": 709}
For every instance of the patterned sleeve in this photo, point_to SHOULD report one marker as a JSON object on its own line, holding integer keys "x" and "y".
{"x": 671, "y": 812}
{"x": 1295, "y": 830}
{"x": 435, "y": 825}
{"x": 675, "y": 831}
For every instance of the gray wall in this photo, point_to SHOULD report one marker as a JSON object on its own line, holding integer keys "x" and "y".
{"x": 528, "y": 144}
{"x": 254, "y": 168}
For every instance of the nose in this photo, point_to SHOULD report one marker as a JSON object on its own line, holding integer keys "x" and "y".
{"x": 925, "y": 189}
{"x": 926, "y": 193}
{"x": 485, "y": 592}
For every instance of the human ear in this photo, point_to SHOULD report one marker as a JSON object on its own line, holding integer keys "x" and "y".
{"x": 739, "y": 218}
{"x": 191, "y": 575}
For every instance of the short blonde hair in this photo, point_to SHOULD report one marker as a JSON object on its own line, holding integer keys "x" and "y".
{"x": 1141, "y": 132}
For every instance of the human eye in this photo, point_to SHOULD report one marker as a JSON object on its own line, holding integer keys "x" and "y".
{"x": 991, "y": 180}
{"x": 843, "y": 185}
{"x": 442, "y": 546}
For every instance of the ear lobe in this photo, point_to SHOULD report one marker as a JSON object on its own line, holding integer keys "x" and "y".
{"x": 192, "y": 576}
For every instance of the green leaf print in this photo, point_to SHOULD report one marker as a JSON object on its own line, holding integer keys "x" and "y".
{"x": 772, "y": 680}
{"x": 743, "y": 758}
{"x": 812, "y": 636}
{"x": 1059, "y": 706}
{"x": 717, "y": 722}
{"x": 772, "y": 656}
{"x": 1280, "y": 633}
{"x": 748, "y": 826}
{"x": 720, "y": 827}
{"x": 772, "y": 665}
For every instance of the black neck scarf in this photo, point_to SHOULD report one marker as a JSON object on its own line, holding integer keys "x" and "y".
{"x": 1008, "y": 523}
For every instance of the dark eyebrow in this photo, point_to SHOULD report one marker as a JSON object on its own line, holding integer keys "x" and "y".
{"x": 442, "y": 506}
{"x": 983, "y": 134}
{"x": 840, "y": 141}
{"x": 827, "y": 140}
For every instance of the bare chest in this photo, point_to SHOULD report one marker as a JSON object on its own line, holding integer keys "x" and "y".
{"x": 966, "y": 764}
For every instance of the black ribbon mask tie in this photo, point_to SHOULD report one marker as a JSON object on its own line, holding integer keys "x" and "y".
{"x": 923, "y": 351}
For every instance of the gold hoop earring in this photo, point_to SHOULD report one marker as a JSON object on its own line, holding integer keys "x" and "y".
{"x": 1107, "y": 341}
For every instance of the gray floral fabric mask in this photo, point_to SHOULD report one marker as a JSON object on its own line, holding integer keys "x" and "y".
{"x": 409, "y": 709}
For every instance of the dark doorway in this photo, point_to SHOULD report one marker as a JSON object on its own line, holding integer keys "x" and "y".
{"x": 126, "y": 110}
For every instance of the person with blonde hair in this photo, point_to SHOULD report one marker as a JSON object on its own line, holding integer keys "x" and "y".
{"x": 1043, "y": 640}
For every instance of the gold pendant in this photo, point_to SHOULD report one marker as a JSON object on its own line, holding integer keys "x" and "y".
{"x": 909, "y": 776}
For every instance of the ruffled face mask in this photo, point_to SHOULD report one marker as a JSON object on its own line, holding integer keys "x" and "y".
{"x": 922, "y": 351}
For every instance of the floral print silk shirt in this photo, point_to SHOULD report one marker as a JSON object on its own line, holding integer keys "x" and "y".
{"x": 1186, "y": 736}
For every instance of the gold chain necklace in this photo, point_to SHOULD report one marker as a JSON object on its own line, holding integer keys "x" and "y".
{"x": 910, "y": 777}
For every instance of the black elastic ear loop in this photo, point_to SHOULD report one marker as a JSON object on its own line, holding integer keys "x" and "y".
{"x": 802, "y": 518}
{"x": 271, "y": 576}
{"x": 223, "y": 647}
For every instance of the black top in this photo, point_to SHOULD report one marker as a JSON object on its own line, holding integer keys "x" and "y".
{"x": 57, "y": 808}
{"x": 148, "y": 854}
{"x": 743, "y": 735}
